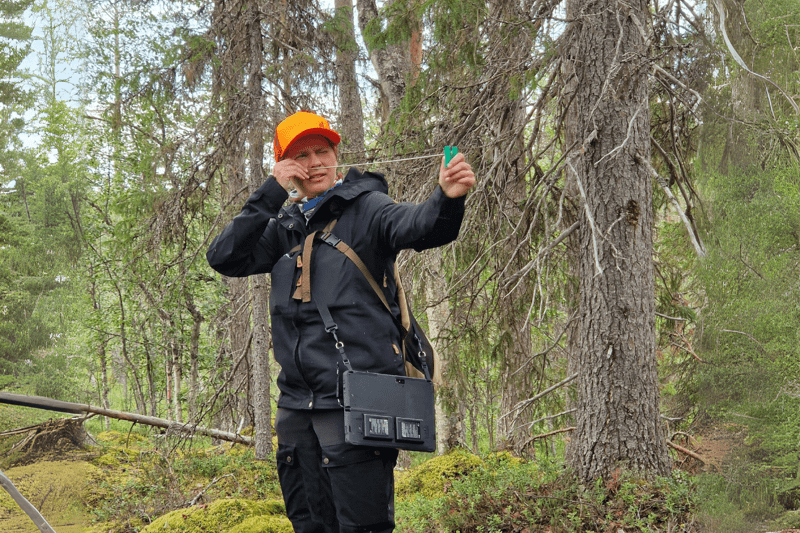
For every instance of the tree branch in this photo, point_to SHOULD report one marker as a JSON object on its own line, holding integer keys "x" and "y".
{"x": 736, "y": 57}
{"x": 696, "y": 242}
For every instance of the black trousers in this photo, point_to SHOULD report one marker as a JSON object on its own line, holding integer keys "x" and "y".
{"x": 330, "y": 486}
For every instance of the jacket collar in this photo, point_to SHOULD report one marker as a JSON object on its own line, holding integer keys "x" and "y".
{"x": 355, "y": 183}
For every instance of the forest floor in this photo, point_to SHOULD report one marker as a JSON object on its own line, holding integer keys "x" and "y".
{"x": 51, "y": 471}
{"x": 84, "y": 489}
{"x": 717, "y": 444}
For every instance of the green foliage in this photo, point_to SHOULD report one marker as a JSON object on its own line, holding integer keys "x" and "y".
{"x": 458, "y": 23}
{"x": 511, "y": 495}
{"x": 140, "y": 482}
{"x": 738, "y": 499}
{"x": 749, "y": 277}
{"x": 748, "y": 335}
{"x": 14, "y": 46}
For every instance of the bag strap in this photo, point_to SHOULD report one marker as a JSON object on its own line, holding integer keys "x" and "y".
{"x": 334, "y": 241}
{"x": 405, "y": 314}
{"x": 303, "y": 291}
{"x": 405, "y": 322}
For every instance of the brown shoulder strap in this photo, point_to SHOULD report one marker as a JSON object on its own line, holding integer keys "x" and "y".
{"x": 305, "y": 273}
{"x": 405, "y": 316}
{"x": 304, "y": 290}
{"x": 346, "y": 250}
{"x": 404, "y": 324}
{"x": 340, "y": 245}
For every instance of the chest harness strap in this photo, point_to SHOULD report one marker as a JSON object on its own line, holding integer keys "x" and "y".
{"x": 303, "y": 291}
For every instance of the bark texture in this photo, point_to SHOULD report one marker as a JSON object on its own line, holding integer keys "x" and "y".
{"x": 613, "y": 346}
{"x": 351, "y": 115}
{"x": 259, "y": 286}
{"x": 439, "y": 317}
{"x": 392, "y": 62}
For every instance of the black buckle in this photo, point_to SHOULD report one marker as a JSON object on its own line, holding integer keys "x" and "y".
{"x": 330, "y": 239}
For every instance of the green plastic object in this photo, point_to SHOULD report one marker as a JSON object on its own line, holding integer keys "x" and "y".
{"x": 449, "y": 153}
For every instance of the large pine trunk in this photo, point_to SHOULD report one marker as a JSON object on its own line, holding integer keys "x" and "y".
{"x": 613, "y": 344}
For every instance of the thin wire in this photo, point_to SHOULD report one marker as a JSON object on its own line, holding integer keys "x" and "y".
{"x": 385, "y": 161}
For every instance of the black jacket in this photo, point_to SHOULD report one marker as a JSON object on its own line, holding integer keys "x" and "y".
{"x": 261, "y": 239}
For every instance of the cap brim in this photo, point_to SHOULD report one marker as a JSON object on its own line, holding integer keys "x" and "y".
{"x": 331, "y": 135}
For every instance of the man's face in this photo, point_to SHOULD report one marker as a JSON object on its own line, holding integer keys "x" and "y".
{"x": 313, "y": 152}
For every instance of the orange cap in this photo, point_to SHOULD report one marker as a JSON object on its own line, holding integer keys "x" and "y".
{"x": 299, "y": 125}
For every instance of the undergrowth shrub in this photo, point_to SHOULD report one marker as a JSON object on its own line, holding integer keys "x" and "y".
{"x": 139, "y": 484}
{"x": 501, "y": 495}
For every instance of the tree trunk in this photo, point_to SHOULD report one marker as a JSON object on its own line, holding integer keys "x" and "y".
{"x": 237, "y": 27}
{"x": 194, "y": 355}
{"x": 123, "y": 335}
{"x": 438, "y": 314}
{"x": 260, "y": 383}
{"x": 608, "y": 123}
{"x": 102, "y": 353}
{"x": 392, "y": 62}
{"x": 351, "y": 115}
{"x": 151, "y": 375}
{"x": 177, "y": 380}
{"x": 104, "y": 379}
{"x": 518, "y": 375}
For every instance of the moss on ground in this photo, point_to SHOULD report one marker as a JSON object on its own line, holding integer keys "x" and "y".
{"x": 117, "y": 438}
{"x": 55, "y": 488}
{"x": 225, "y": 516}
{"x": 431, "y": 478}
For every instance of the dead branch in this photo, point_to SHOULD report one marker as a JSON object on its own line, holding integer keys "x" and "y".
{"x": 590, "y": 218}
{"x": 688, "y": 347}
{"x": 671, "y": 317}
{"x": 49, "y": 404}
{"x": 685, "y": 451}
{"x": 694, "y": 237}
{"x": 550, "y": 417}
{"x": 523, "y": 404}
{"x": 736, "y": 57}
{"x": 545, "y": 435}
{"x": 199, "y": 495}
{"x": 760, "y": 346}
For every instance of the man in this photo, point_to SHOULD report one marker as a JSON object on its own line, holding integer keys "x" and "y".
{"x": 329, "y": 485}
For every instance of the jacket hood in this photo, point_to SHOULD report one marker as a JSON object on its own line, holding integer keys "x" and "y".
{"x": 357, "y": 182}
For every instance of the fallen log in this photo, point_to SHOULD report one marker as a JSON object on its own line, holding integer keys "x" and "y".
{"x": 40, "y": 402}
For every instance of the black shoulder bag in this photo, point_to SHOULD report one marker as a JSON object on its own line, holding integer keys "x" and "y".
{"x": 383, "y": 410}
